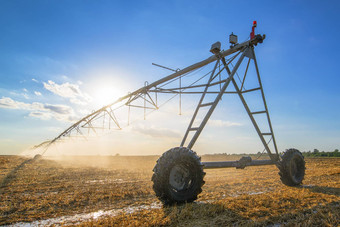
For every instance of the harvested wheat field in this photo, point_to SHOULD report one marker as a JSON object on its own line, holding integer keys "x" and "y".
{"x": 117, "y": 190}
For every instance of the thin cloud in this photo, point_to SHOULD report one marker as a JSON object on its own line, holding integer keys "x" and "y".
{"x": 37, "y": 93}
{"x": 65, "y": 90}
{"x": 34, "y": 80}
{"x": 78, "y": 101}
{"x": 220, "y": 123}
{"x": 65, "y": 77}
{"x": 60, "y": 109}
{"x": 41, "y": 115}
{"x": 9, "y": 103}
{"x": 156, "y": 132}
{"x": 68, "y": 90}
{"x": 25, "y": 96}
{"x": 40, "y": 110}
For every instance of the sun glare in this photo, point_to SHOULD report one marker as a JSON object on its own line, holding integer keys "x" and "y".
{"x": 105, "y": 94}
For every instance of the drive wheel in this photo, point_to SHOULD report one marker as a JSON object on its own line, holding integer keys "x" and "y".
{"x": 292, "y": 167}
{"x": 178, "y": 176}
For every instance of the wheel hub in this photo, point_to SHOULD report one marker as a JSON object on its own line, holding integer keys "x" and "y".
{"x": 297, "y": 169}
{"x": 179, "y": 177}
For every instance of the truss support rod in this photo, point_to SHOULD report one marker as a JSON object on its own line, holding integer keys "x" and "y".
{"x": 180, "y": 95}
{"x": 212, "y": 108}
{"x": 197, "y": 109}
{"x": 265, "y": 102}
{"x": 245, "y": 75}
{"x": 194, "y": 92}
{"x": 113, "y": 117}
{"x": 161, "y": 66}
{"x": 273, "y": 157}
{"x": 234, "y": 49}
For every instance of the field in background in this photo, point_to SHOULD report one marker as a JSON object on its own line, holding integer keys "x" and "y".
{"x": 119, "y": 190}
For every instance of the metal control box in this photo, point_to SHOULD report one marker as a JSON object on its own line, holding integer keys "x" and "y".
{"x": 233, "y": 38}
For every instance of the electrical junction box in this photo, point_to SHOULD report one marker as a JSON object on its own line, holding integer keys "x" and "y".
{"x": 233, "y": 38}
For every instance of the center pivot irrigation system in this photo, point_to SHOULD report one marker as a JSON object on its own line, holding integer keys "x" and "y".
{"x": 178, "y": 173}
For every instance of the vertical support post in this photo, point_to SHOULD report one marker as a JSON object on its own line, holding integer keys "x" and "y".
{"x": 144, "y": 105}
{"x": 219, "y": 75}
{"x": 109, "y": 123}
{"x": 103, "y": 121}
{"x": 145, "y": 91}
{"x": 129, "y": 115}
{"x": 156, "y": 97}
{"x": 180, "y": 95}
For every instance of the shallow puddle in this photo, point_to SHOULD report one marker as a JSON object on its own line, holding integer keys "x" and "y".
{"x": 79, "y": 218}
{"x": 116, "y": 181}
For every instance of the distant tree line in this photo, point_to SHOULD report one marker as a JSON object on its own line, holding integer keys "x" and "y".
{"x": 314, "y": 153}
{"x": 317, "y": 153}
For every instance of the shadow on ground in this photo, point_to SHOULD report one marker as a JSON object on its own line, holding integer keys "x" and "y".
{"x": 216, "y": 214}
{"x": 322, "y": 189}
{"x": 203, "y": 214}
{"x": 12, "y": 174}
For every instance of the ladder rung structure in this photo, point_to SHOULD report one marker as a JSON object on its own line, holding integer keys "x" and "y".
{"x": 267, "y": 134}
{"x": 250, "y": 114}
{"x": 224, "y": 84}
{"x": 250, "y": 90}
{"x": 211, "y": 104}
{"x": 206, "y": 104}
{"x": 259, "y": 112}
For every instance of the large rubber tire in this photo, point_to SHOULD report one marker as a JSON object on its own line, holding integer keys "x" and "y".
{"x": 292, "y": 167}
{"x": 178, "y": 176}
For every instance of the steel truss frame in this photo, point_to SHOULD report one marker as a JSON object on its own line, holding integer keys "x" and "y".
{"x": 146, "y": 98}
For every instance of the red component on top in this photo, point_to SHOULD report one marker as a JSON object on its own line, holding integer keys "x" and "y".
{"x": 252, "y": 34}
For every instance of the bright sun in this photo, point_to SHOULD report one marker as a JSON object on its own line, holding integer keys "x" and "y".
{"x": 106, "y": 94}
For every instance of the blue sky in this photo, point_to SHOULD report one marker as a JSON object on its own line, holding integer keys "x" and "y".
{"x": 58, "y": 57}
